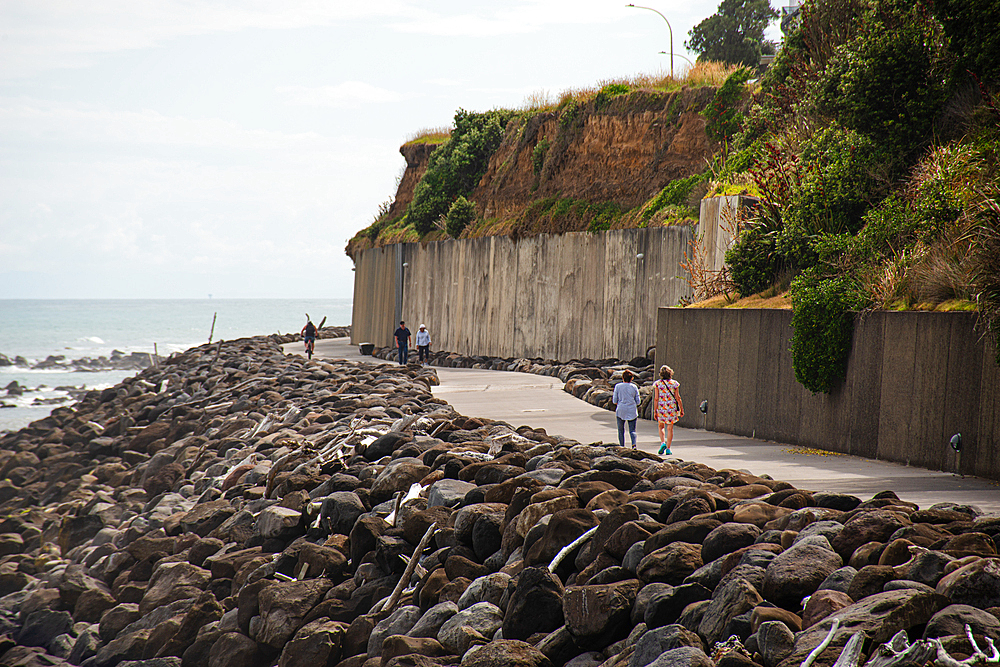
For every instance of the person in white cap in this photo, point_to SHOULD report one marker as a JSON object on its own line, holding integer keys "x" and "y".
{"x": 423, "y": 341}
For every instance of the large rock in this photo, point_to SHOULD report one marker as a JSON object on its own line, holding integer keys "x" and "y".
{"x": 775, "y": 642}
{"x": 798, "y": 572}
{"x": 460, "y": 631}
{"x": 171, "y": 582}
{"x": 505, "y": 653}
{"x": 43, "y": 626}
{"x": 865, "y": 527}
{"x": 976, "y": 584}
{"x": 535, "y": 605}
{"x": 235, "y": 650}
{"x": 280, "y": 523}
{"x": 564, "y": 527}
{"x": 654, "y": 643}
{"x": 340, "y": 510}
{"x": 596, "y": 615}
{"x": 398, "y": 622}
{"x": 952, "y": 621}
{"x": 284, "y": 606}
{"x": 727, "y": 538}
{"x": 671, "y": 564}
{"x": 448, "y": 492}
{"x": 685, "y": 656}
{"x": 879, "y": 617}
{"x": 397, "y": 476}
{"x": 729, "y": 600}
{"x": 430, "y": 623}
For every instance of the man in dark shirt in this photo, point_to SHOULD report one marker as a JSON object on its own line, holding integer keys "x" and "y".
{"x": 402, "y": 337}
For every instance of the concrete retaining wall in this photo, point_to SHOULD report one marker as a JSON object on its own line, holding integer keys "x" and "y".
{"x": 913, "y": 380}
{"x": 555, "y": 296}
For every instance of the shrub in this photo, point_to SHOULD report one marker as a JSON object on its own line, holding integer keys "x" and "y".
{"x": 888, "y": 80}
{"x": 723, "y": 117}
{"x": 753, "y": 260}
{"x": 461, "y": 213}
{"x": 823, "y": 326}
{"x": 455, "y": 168}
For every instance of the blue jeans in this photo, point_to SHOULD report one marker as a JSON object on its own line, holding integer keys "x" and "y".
{"x": 403, "y": 355}
{"x": 621, "y": 430}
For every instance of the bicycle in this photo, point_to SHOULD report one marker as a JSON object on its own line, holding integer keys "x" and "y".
{"x": 310, "y": 344}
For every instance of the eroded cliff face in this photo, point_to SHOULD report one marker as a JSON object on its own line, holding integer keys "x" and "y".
{"x": 623, "y": 150}
{"x": 417, "y": 157}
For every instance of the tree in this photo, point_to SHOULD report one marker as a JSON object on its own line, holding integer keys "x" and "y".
{"x": 734, "y": 34}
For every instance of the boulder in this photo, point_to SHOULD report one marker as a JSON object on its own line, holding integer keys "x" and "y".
{"x": 597, "y": 615}
{"x": 482, "y": 619}
{"x": 535, "y": 605}
{"x": 799, "y": 571}
{"x": 505, "y": 653}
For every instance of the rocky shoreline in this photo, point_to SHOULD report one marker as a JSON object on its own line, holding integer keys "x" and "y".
{"x": 238, "y": 506}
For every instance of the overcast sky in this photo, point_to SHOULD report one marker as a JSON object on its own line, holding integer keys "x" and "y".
{"x": 181, "y": 148}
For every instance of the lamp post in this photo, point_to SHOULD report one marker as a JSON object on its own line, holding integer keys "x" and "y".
{"x": 668, "y": 28}
{"x": 663, "y": 53}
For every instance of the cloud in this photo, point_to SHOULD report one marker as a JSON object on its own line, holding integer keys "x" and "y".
{"x": 347, "y": 95}
{"x": 46, "y": 34}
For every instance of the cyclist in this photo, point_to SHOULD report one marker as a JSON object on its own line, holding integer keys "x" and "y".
{"x": 309, "y": 335}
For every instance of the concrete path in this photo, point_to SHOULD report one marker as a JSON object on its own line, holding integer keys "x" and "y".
{"x": 539, "y": 401}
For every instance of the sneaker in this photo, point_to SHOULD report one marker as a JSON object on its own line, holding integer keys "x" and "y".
{"x": 668, "y": 453}
{"x": 663, "y": 447}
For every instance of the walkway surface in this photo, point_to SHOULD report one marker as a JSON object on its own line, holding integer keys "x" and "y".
{"x": 539, "y": 401}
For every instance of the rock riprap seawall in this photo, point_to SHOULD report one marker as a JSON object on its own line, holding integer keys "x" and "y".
{"x": 236, "y": 506}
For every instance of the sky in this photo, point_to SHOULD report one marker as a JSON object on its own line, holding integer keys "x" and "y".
{"x": 187, "y": 148}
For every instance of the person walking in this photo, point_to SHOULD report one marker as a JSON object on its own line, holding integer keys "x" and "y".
{"x": 626, "y": 399}
{"x": 423, "y": 341}
{"x": 402, "y": 336}
{"x": 667, "y": 406}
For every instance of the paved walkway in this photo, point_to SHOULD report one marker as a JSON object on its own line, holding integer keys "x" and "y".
{"x": 539, "y": 401}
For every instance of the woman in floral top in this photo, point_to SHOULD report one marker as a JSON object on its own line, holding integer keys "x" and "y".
{"x": 667, "y": 406}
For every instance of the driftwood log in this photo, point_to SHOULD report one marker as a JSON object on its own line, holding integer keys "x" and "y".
{"x": 898, "y": 651}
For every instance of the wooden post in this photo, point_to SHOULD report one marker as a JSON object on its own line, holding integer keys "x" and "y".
{"x": 156, "y": 356}
{"x": 212, "y": 332}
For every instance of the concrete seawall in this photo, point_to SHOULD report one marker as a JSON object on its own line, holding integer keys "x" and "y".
{"x": 555, "y": 296}
{"x": 913, "y": 380}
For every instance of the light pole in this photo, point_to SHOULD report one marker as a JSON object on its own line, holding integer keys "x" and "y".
{"x": 668, "y": 28}
{"x": 663, "y": 53}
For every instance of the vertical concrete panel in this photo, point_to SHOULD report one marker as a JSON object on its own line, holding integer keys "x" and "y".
{"x": 591, "y": 334}
{"x": 928, "y": 394}
{"x": 899, "y": 350}
{"x": 748, "y": 379}
{"x": 770, "y": 347}
{"x": 863, "y": 384}
{"x": 730, "y": 358}
{"x": 986, "y": 460}
{"x": 790, "y": 392}
{"x": 526, "y": 300}
{"x": 961, "y": 405}
{"x": 688, "y": 350}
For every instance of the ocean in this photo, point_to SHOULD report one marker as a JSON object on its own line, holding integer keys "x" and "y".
{"x": 77, "y": 328}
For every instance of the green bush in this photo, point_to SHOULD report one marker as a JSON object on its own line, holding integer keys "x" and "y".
{"x": 753, "y": 260}
{"x": 722, "y": 116}
{"x": 461, "y": 213}
{"x": 604, "y": 214}
{"x": 823, "y": 326}
{"x": 888, "y": 81}
{"x": 455, "y": 168}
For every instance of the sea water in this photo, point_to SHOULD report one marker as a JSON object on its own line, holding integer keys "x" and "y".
{"x": 75, "y": 328}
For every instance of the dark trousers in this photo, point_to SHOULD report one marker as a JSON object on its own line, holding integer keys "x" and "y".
{"x": 404, "y": 354}
{"x": 423, "y": 352}
{"x": 621, "y": 430}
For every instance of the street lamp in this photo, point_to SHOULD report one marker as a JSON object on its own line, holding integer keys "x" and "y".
{"x": 663, "y": 53}
{"x": 668, "y": 28}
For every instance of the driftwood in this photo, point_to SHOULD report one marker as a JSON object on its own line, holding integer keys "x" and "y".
{"x": 898, "y": 651}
